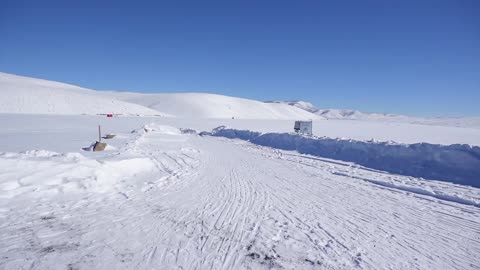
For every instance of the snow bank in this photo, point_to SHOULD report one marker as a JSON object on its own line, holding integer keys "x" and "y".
{"x": 457, "y": 163}
{"x": 42, "y": 172}
{"x": 153, "y": 127}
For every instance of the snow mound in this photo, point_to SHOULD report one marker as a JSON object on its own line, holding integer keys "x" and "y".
{"x": 43, "y": 173}
{"x": 35, "y": 96}
{"x": 457, "y": 163}
{"x": 202, "y": 105}
{"x": 153, "y": 127}
{"x": 40, "y": 154}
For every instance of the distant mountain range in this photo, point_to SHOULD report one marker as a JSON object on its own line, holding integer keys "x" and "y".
{"x": 339, "y": 114}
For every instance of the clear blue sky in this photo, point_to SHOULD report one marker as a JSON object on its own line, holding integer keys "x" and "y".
{"x": 413, "y": 57}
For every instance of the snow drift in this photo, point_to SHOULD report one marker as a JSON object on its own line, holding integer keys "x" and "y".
{"x": 42, "y": 172}
{"x": 457, "y": 163}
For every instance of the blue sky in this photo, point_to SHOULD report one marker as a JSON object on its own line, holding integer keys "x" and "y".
{"x": 410, "y": 57}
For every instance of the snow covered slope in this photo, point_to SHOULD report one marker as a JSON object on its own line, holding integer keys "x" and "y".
{"x": 28, "y": 95}
{"x": 203, "y": 105}
{"x": 35, "y": 96}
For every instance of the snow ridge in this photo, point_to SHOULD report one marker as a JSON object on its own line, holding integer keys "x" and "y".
{"x": 457, "y": 163}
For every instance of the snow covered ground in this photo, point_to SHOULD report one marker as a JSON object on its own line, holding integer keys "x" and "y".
{"x": 163, "y": 197}
{"x": 159, "y": 198}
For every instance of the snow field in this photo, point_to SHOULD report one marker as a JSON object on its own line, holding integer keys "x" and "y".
{"x": 217, "y": 203}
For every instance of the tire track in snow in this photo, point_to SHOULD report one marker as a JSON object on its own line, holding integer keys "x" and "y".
{"x": 231, "y": 205}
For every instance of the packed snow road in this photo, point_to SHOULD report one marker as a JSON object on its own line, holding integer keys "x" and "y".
{"x": 215, "y": 203}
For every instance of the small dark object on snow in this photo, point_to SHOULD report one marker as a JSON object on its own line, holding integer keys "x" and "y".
{"x": 188, "y": 131}
{"x": 99, "y": 146}
{"x": 109, "y": 136}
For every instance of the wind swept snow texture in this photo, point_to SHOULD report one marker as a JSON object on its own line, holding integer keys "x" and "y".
{"x": 458, "y": 163}
{"x": 28, "y": 95}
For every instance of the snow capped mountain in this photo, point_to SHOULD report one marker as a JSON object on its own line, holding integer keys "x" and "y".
{"x": 307, "y": 106}
{"x": 355, "y": 115}
{"x": 339, "y": 114}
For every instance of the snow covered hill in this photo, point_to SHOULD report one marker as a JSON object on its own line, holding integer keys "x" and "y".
{"x": 203, "y": 105}
{"x": 20, "y": 94}
{"x": 35, "y": 96}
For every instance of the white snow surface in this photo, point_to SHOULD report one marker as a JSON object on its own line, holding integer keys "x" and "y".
{"x": 164, "y": 198}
